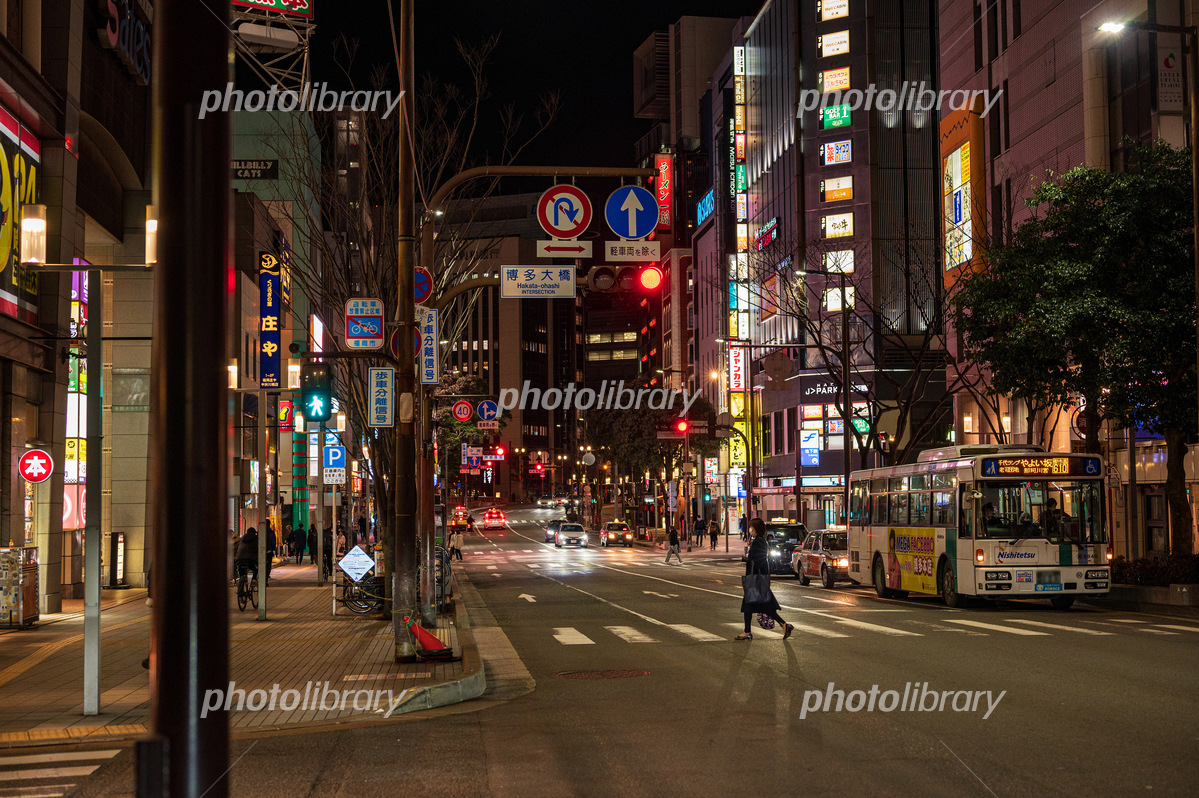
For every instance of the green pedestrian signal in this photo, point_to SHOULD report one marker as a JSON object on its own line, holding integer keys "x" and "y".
{"x": 316, "y": 391}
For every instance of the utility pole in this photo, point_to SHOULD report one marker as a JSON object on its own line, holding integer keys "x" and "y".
{"x": 188, "y": 755}
{"x": 404, "y": 586}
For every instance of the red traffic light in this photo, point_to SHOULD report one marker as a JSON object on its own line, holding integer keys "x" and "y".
{"x": 650, "y": 278}
{"x": 681, "y": 425}
{"x": 540, "y": 467}
{"x": 499, "y": 450}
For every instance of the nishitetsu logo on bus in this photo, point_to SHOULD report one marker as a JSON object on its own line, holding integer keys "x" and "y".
{"x": 1016, "y": 555}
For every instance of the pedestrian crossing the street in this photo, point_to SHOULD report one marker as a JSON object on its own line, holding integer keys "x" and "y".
{"x": 49, "y": 775}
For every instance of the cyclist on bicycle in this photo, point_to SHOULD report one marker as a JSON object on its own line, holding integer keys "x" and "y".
{"x": 246, "y": 556}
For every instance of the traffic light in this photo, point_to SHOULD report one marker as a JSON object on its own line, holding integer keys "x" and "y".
{"x": 540, "y": 468}
{"x": 316, "y": 391}
{"x": 707, "y": 495}
{"x": 499, "y": 451}
{"x": 624, "y": 278}
{"x": 682, "y": 425}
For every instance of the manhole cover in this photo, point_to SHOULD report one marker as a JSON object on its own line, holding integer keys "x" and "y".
{"x": 608, "y": 674}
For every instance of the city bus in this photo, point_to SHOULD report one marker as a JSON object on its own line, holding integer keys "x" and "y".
{"x": 993, "y": 521}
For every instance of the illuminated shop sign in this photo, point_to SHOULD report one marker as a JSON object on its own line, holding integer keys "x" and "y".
{"x": 834, "y": 80}
{"x": 835, "y": 152}
{"x": 836, "y": 188}
{"x": 766, "y": 234}
{"x": 833, "y": 43}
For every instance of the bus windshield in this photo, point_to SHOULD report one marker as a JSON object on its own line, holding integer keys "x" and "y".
{"x": 1060, "y": 511}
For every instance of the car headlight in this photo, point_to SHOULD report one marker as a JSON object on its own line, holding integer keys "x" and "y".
{"x": 774, "y": 552}
{"x": 843, "y": 563}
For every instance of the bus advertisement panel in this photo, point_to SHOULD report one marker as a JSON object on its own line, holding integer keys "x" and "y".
{"x": 911, "y": 559}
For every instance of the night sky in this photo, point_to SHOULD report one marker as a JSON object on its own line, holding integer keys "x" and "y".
{"x": 582, "y": 49}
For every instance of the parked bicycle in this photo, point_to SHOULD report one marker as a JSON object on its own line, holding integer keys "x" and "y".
{"x": 365, "y": 596}
{"x": 247, "y": 587}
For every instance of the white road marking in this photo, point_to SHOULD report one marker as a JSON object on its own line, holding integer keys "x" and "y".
{"x": 996, "y": 628}
{"x": 1061, "y": 626}
{"x": 527, "y": 598}
{"x": 1127, "y": 620}
{"x": 491, "y": 567}
{"x": 48, "y": 773}
{"x": 66, "y": 756}
{"x": 569, "y": 636}
{"x": 874, "y": 627}
{"x": 534, "y": 565}
{"x": 695, "y": 632}
{"x": 1157, "y": 632}
{"x": 1179, "y": 628}
{"x": 630, "y": 635}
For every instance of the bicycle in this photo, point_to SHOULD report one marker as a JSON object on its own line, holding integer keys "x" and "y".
{"x": 247, "y": 588}
{"x": 362, "y": 597}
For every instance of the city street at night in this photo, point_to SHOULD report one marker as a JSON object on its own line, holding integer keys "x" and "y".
{"x": 610, "y": 672}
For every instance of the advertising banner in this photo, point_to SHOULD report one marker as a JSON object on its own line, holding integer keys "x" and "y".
{"x": 911, "y": 559}
{"x": 270, "y": 311}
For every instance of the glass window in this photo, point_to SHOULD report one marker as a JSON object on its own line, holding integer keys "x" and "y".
{"x": 899, "y": 483}
{"x": 943, "y": 509}
{"x": 945, "y": 480}
{"x": 1066, "y": 511}
{"x": 919, "y": 508}
{"x": 858, "y": 502}
{"x": 919, "y": 482}
{"x": 878, "y": 508}
{"x": 898, "y": 509}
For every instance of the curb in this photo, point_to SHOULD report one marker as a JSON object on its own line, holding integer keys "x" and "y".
{"x": 470, "y": 684}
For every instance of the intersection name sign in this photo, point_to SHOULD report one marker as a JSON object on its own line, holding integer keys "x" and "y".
{"x": 537, "y": 282}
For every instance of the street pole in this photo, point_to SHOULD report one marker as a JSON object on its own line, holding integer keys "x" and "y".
{"x": 264, "y": 448}
{"x": 847, "y": 439}
{"x": 189, "y": 638}
{"x": 94, "y": 487}
{"x": 320, "y": 504}
{"x": 404, "y": 587}
{"x": 1193, "y": 96}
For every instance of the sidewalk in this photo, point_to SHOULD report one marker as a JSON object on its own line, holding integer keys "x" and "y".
{"x": 301, "y": 647}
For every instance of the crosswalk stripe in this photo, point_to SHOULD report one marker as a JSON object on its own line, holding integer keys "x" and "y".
{"x": 48, "y": 773}
{"x": 870, "y": 627}
{"x": 66, "y": 756}
{"x": 21, "y": 792}
{"x": 630, "y": 635}
{"x": 816, "y": 630}
{"x": 695, "y": 632}
{"x": 996, "y": 628}
{"x": 757, "y": 631}
{"x": 534, "y": 565}
{"x": 491, "y": 567}
{"x": 1179, "y": 628}
{"x": 1127, "y": 620}
{"x": 1156, "y": 632}
{"x": 1060, "y": 626}
{"x": 569, "y": 636}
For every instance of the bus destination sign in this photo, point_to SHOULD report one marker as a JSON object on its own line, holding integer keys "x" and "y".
{"x": 1042, "y": 467}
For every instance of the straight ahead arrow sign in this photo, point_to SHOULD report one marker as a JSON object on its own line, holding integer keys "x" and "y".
{"x": 527, "y": 598}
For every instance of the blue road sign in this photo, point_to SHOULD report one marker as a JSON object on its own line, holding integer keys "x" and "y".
{"x": 488, "y": 410}
{"x": 422, "y": 284}
{"x": 474, "y": 462}
{"x": 631, "y": 212}
{"x": 335, "y": 457}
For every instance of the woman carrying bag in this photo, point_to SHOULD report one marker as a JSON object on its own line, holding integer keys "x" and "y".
{"x": 756, "y": 582}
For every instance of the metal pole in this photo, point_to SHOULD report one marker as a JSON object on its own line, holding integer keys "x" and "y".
{"x": 428, "y": 583}
{"x": 264, "y": 448}
{"x": 404, "y": 587}
{"x": 189, "y": 640}
{"x": 1193, "y": 58}
{"x": 748, "y": 411}
{"x": 95, "y": 462}
{"x": 847, "y": 441}
{"x": 320, "y": 504}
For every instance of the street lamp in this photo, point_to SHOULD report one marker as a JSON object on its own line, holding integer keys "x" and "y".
{"x": 1192, "y": 55}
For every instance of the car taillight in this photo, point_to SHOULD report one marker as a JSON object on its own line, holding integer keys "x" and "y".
{"x": 1110, "y": 554}
{"x": 979, "y": 555}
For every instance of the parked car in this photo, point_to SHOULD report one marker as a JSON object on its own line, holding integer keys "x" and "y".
{"x": 616, "y": 532}
{"x": 551, "y": 529}
{"x": 494, "y": 519}
{"x": 824, "y": 554}
{"x": 570, "y": 534}
{"x": 781, "y": 539}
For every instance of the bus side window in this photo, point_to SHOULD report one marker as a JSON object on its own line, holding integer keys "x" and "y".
{"x": 966, "y": 518}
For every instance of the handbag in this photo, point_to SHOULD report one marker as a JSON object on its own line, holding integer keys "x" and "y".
{"x": 757, "y": 588}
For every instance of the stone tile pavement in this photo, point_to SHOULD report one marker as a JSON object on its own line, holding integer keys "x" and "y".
{"x": 302, "y": 651}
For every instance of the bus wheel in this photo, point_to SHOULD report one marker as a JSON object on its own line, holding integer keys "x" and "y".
{"x": 1062, "y": 602}
{"x": 949, "y": 587}
{"x": 880, "y": 579}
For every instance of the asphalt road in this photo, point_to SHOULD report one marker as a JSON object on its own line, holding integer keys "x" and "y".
{"x": 635, "y": 687}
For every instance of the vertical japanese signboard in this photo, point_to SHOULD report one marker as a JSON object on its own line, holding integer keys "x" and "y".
{"x": 427, "y": 326}
{"x": 736, "y": 369}
{"x": 382, "y": 409}
{"x": 665, "y": 189}
{"x": 270, "y": 313}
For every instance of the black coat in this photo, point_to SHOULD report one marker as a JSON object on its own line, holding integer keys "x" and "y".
{"x": 674, "y": 536}
{"x": 757, "y": 561}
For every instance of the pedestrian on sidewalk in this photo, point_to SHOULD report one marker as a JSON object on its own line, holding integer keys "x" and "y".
{"x": 456, "y": 544}
{"x": 757, "y": 561}
{"x": 312, "y": 545}
{"x": 673, "y": 547}
{"x": 272, "y": 543}
{"x": 299, "y": 538}
{"x": 341, "y": 542}
{"x": 327, "y": 554}
{"x": 713, "y": 532}
{"x": 741, "y": 527}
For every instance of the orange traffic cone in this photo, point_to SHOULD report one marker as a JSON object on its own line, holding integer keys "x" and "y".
{"x": 427, "y": 641}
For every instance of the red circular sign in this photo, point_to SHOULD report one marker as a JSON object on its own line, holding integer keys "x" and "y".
{"x": 463, "y": 410}
{"x": 36, "y": 465}
{"x": 564, "y": 211}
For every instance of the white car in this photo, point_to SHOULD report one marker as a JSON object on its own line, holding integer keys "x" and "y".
{"x": 570, "y": 534}
{"x": 616, "y": 532}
